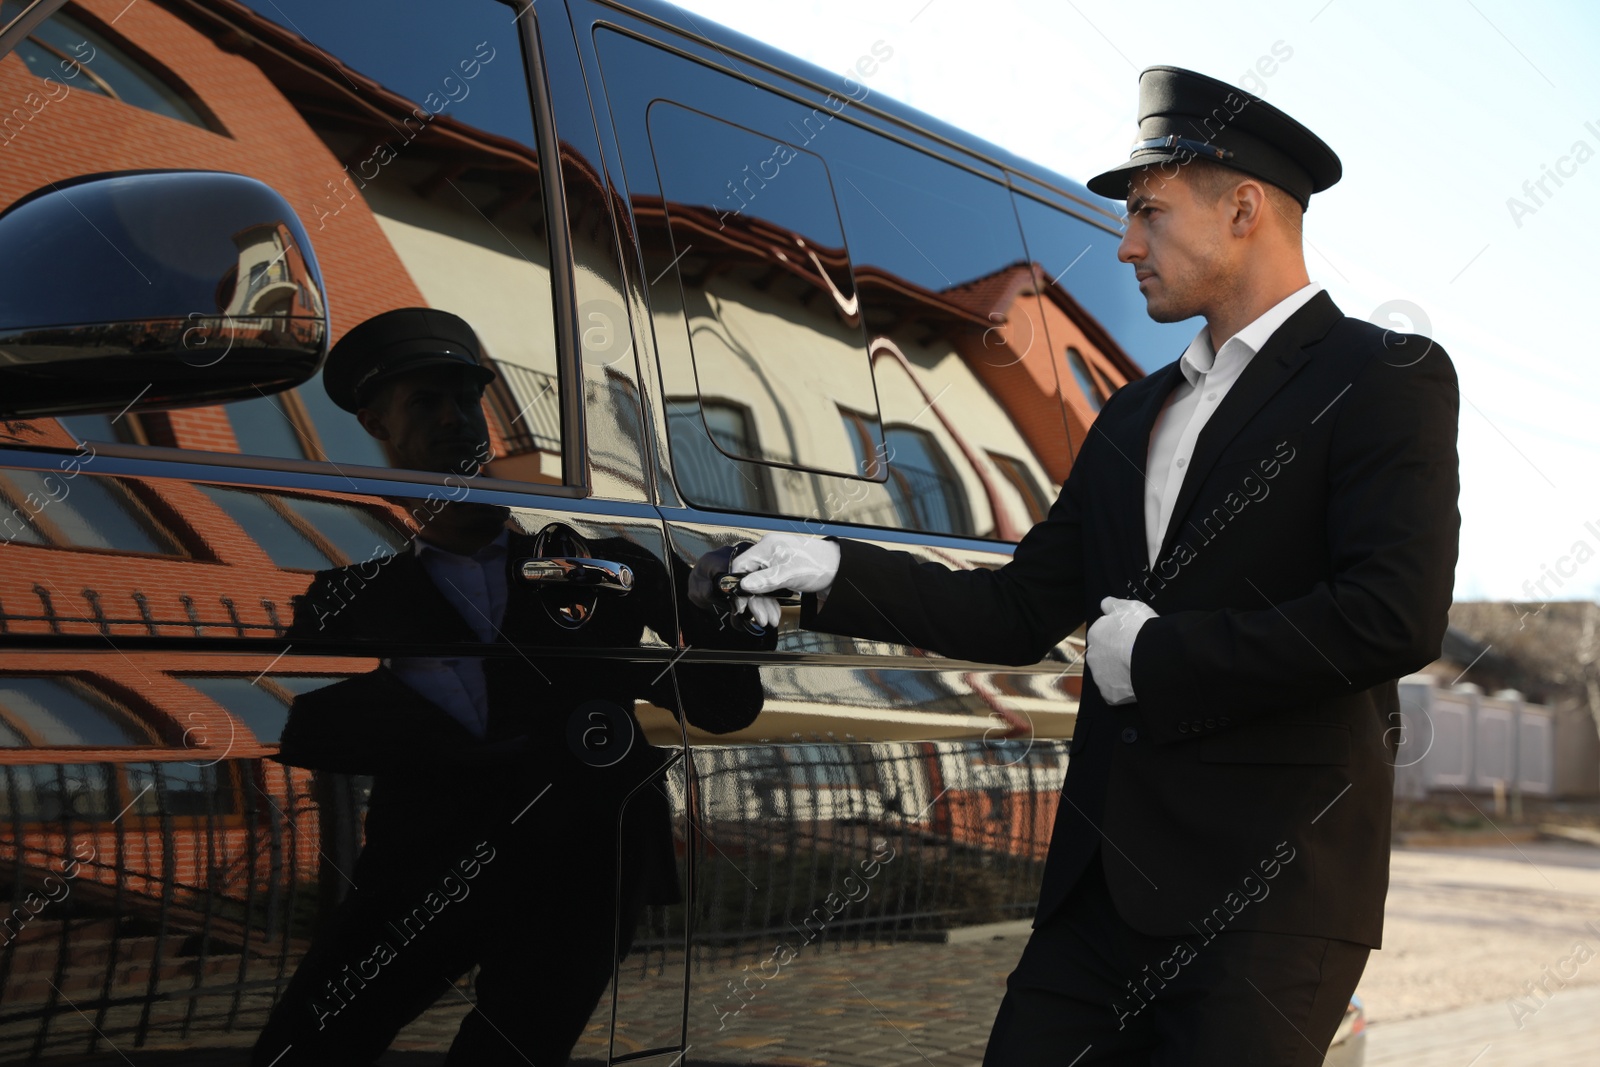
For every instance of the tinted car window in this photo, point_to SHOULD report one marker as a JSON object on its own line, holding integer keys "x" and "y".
{"x": 759, "y": 301}
{"x": 406, "y": 146}
{"x": 951, "y": 304}
{"x": 768, "y": 296}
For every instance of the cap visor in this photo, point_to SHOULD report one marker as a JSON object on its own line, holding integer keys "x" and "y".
{"x": 1113, "y": 183}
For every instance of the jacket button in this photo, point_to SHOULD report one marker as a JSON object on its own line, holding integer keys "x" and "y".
{"x": 1183, "y": 727}
{"x": 1130, "y": 735}
{"x": 1211, "y": 724}
{"x": 1222, "y": 720}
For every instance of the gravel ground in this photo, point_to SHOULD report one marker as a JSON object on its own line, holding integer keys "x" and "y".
{"x": 1466, "y": 928}
{"x": 1470, "y": 926}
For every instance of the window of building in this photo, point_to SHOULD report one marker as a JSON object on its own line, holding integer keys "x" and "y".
{"x": 924, "y": 487}
{"x": 1084, "y": 378}
{"x": 80, "y": 510}
{"x": 355, "y": 533}
{"x": 1102, "y": 300}
{"x": 1022, "y": 480}
{"x": 303, "y": 423}
{"x": 261, "y": 703}
{"x": 701, "y": 434}
{"x": 105, "y": 428}
{"x": 53, "y": 792}
{"x": 68, "y": 51}
{"x": 53, "y": 712}
{"x": 308, "y": 533}
{"x": 181, "y": 789}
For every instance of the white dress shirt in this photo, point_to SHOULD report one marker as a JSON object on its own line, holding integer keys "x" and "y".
{"x": 1207, "y": 378}
{"x": 476, "y": 586}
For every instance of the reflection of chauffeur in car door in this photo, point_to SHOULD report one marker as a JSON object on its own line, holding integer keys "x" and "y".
{"x": 461, "y": 746}
{"x": 1263, "y": 535}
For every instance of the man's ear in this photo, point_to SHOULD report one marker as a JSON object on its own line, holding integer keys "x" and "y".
{"x": 1249, "y": 204}
{"x": 372, "y": 422}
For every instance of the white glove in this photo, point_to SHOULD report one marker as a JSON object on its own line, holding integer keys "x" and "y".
{"x": 1109, "y": 654}
{"x": 784, "y": 561}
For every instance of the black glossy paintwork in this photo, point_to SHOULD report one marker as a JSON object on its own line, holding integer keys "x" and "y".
{"x": 177, "y": 585}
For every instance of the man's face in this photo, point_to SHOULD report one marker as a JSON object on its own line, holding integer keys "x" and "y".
{"x": 432, "y": 420}
{"x": 1180, "y": 247}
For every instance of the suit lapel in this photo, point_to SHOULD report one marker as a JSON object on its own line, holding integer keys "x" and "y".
{"x": 1271, "y": 368}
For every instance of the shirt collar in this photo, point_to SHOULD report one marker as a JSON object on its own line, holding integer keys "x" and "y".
{"x": 1199, "y": 358}
{"x": 497, "y": 547}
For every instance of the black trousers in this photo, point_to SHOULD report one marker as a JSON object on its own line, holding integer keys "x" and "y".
{"x": 545, "y": 946}
{"x": 1089, "y": 989}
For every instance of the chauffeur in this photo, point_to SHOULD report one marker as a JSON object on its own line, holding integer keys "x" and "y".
{"x": 1262, "y": 535}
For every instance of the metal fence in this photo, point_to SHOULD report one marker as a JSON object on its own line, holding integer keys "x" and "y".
{"x": 149, "y": 898}
{"x": 1458, "y": 738}
{"x": 169, "y": 902}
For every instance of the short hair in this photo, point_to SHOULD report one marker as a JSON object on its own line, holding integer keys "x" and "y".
{"x": 1208, "y": 181}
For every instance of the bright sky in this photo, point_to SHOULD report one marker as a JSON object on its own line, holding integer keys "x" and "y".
{"x": 1440, "y": 110}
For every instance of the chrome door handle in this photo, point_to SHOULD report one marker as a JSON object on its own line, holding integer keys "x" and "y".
{"x": 578, "y": 571}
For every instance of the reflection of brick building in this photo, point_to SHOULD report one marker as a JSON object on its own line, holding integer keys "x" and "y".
{"x": 1018, "y": 336}
{"x": 267, "y": 104}
{"x": 1056, "y": 319}
{"x": 141, "y": 556}
{"x": 190, "y": 559}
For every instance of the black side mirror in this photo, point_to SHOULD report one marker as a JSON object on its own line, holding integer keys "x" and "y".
{"x": 155, "y": 289}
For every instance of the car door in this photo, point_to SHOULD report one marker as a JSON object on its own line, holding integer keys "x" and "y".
{"x": 848, "y": 339}
{"x": 181, "y": 573}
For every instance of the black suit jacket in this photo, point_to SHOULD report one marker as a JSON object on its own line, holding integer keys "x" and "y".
{"x": 1308, "y": 565}
{"x": 437, "y": 789}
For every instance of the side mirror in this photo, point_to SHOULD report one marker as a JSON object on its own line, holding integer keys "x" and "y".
{"x": 154, "y": 289}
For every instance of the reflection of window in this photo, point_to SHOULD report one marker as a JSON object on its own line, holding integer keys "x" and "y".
{"x": 924, "y": 492}
{"x": 181, "y": 788}
{"x": 261, "y": 703}
{"x": 307, "y": 533}
{"x": 1086, "y": 383}
{"x": 50, "y": 712}
{"x": 1022, "y": 480}
{"x": 126, "y": 429}
{"x": 79, "y": 511}
{"x": 699, "y": 434}
{"x": 264, "y": 427}
{"x": 769, "y": 298}
{"x": 354, "y": 532}
{"x": 68, "y": 52}
{"x": 922, "y": 484}
{"x": 302, "y": 423}
{"x": 104, "y": 792}
{"x": 524, "y": 406}
{"x": 53, "y": 792}
{"x": 339, "y": 436}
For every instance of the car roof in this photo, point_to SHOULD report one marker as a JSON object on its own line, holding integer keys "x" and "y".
{"x": 724, "y": 39}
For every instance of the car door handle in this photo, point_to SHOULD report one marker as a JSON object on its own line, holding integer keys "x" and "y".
{"x": 581, "y": 572}
{"x": 729, "y": 585}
